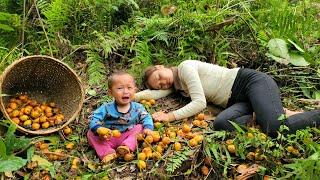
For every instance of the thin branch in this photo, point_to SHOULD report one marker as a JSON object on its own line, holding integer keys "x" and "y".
{"x": 42, "y": 25}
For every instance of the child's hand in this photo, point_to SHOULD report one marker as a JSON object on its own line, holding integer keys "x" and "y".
{"x": 147, "y": 131}
{"x": 104, "y": 133}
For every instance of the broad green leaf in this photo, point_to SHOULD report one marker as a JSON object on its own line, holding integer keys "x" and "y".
{"x": 278, "y": 59}
{"x": 305, "y": 90}
{"x": 6, "y": 27}
{"x": 298, "y": 60}
{"x": 30, "y": 153}
{"x": 296, "y": 46}
{"x": 316, "y": 95}
{"x": 278, "y": 48}
{"x": 3, "y": 150}
{"x": 12, "y": 163}
{"x": 92, "y": 92}
{"x": 41, "y": 161}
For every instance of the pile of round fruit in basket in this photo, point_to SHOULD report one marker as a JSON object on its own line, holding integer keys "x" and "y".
{"x": 34, "y": 115}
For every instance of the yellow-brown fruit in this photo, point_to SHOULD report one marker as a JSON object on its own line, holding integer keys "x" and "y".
{"x": 149, "y": 155}
{"x": 231, "y": 148}
{"x": 37, "y": 108}
{"x": 200, "y": 116}
{"x": 229, "y": 141}
{"x": 48, "y": 109}
{"x": 149, "y": 139}
{"x": 142, "y": 156}
{"x": 128, "y": 157}
{"x": 43, "y": 146}
{"x": 140, "y": 137}
{"x": 43, "y": 107}
{"x": 15, "y": 113}
{"x": 205, "y": 170}
{"x": 67, "y": 130}
{"x": 9, "y": 110}
{"x": 24, "y": 117}
{"x": 35, "y": 114}
{"x": 196, "y": 123}
{"x": 75, "y": 161}
{"x": 186, "y": 128}
{"x": 193, "y": 143}
{"x": 156, "y": 136}
{"x": 141, "y": 164}
{"x": 33, "y": 103}
{"x": 172, "y": 135}
{"x": 70, "y": 145}
{"x": 159, "y": 148}
{"x": 263, "y": 136}
{"x": 43, "y": 119}
{"x": 13, "y": 105}
{"x": 152, "y": 101}
{"x": 16, "y": 120}
{"x": 52, "y": 104}
{"x": 148, "y": 104}
{"x": 49, "y": 114}
{"x": 37, "y": 120}
{"x": 156, "y": 155}
{"x": 177, "y": 146}
{"x": 143, "y": 101}
{"x": 242, "y": 168}
{"x": 45, "y": 125}
{"x": 250, "y": 135}
{"x": 180, "y": 133}
{"x": 60, "y": 116}
{"x": 145, "y": 144}
{"x": 166, "y": 140}
{"x": 35, "y": 126}
{"x": 296, "y": 152}
{"x": 116, "y": 133}
{"x": 23, "y": 98}
{"x": 57, "y": 121}
{"x": 189, "y": 135}
{"x": 198, "y": 137}
{"x": 146, "y": 150}
{"x": 290, "y": 149}
{"x": 204, "y": 124}
{"x": 157, "y": 125}
{"x": 103, "y": 131}
{"x": 27, "y": 110}
{"x": 250, "y": 156}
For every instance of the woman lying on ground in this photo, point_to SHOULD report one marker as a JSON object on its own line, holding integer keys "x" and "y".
{"x": 241, "y": 91}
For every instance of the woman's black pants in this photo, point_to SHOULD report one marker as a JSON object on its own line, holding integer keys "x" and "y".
{"x": 257, "y": 92}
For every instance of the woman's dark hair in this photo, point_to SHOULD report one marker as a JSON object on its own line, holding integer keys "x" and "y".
{"x": 147, "y": 73}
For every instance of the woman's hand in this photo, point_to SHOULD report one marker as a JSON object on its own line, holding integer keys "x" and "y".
{"x": 162, "y": 116}
{"x": 147, "y": 131}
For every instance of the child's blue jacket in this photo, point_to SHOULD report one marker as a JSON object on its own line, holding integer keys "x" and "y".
{"x": 107, "y": 115}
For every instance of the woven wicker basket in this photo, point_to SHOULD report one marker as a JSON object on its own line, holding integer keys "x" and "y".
{"x": 44, "y": 79}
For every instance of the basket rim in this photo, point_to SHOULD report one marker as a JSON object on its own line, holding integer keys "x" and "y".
{"x": 42, "y": 131}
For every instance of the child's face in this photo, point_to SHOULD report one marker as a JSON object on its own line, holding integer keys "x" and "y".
{"x": 123, "y": 89}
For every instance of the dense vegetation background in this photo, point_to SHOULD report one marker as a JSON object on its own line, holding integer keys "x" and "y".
{"x": 95, "y": 37}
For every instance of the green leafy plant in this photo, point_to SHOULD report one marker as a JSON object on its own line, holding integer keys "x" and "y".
{"x": 177, "y": 159}
{"x": 9, "y": 146}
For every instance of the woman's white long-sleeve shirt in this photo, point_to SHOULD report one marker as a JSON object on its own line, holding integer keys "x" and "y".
{"x": 201, "y": 82}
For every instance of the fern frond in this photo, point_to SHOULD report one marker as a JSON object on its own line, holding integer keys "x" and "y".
{"x": 177, "y": 159}
{"x": 96, "y": 69}
{"x": 108, "y": 43}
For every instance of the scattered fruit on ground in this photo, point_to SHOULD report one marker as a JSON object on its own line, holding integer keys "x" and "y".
{"x": 205, "y": 170}
{"x": 231, "y": 148}
{"x": 141, "y": 164}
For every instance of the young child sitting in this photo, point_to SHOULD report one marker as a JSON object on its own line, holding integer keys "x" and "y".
{"x": 129, "y": 117}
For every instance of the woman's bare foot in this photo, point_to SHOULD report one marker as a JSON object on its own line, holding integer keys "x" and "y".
{"x": 290, "y": 113}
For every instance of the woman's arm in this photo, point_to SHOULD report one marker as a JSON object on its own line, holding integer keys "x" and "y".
{"x": 189, "y": 75}
{"x": 152, "y": 94}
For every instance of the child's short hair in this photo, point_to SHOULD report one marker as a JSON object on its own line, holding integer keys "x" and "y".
{"x": 111, "y": 78}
